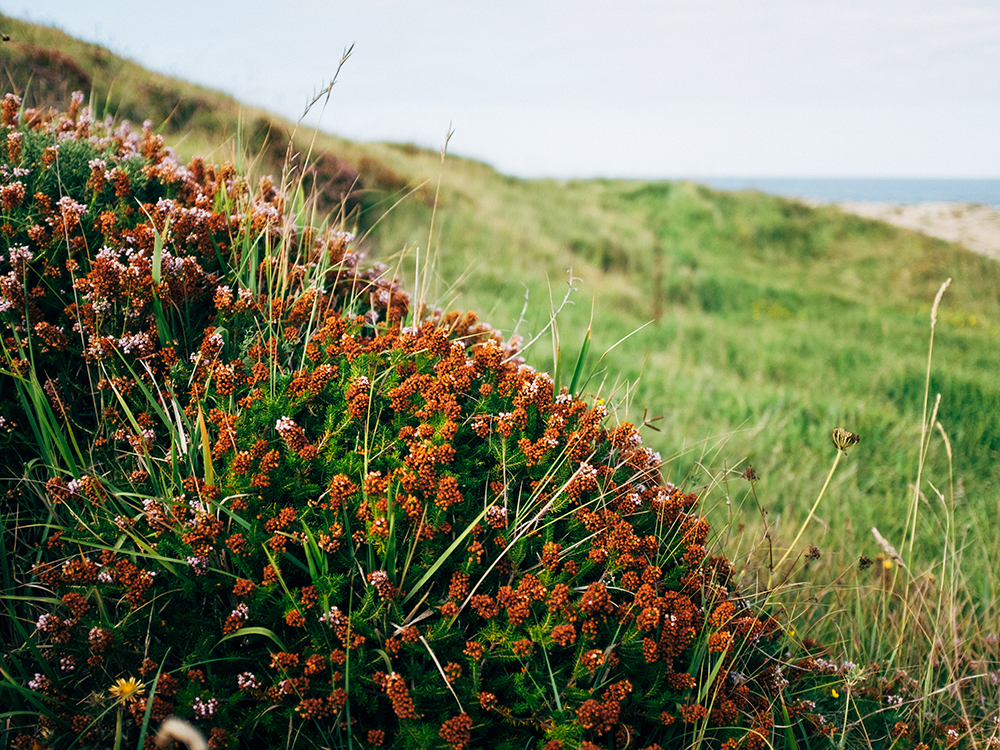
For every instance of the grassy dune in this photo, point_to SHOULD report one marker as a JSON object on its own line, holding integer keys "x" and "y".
{"x": 768, "y": 323}
{"x": 743, "y": 327}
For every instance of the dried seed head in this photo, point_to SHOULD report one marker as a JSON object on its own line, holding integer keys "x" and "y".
{"x": 937, "y": 301}
{"x": 889, "y": 550}
{"x": 844, "y": 439}
{"x": 750, "y": 475}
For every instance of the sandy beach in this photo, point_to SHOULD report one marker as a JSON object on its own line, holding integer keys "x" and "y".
{"x": 976, "y": 227}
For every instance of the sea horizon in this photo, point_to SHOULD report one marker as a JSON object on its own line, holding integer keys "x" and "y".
{"x": 882, "y": 190}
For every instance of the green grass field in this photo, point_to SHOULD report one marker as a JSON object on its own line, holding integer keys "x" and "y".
{"x": 755, "y": 326}
{"x": 743, "y": 328}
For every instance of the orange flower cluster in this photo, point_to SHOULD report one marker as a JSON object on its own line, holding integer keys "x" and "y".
{"x": 395, "y": 687}
{"x": 77, "y": 604}
{"x": 693, "y": 713}
{"x": 601, "y": 716}
{"x": 521, "y": 647}
{"x": 457, "y": 731}
{"x": 564, "y": 635}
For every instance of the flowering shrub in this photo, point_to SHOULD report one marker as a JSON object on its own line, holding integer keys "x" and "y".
{"x": 266, "y": 498}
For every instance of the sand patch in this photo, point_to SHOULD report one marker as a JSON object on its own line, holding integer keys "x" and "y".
{"x": 976, "y": 227}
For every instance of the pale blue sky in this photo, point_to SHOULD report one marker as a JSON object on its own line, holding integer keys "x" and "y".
{"x": 581, "y": 88}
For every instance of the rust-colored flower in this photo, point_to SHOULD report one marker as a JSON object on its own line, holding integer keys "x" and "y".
{"x": 399, "y": 694}
{"x": 692, "y": 713}
{"x": 521, "y": 647}
{"x": 564, "y": 635}
{"x": 457, "y": 731}
{"x": 592, "y": 659}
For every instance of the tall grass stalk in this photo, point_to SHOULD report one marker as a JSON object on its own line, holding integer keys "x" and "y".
{"x": 805, "y": 524}
{"x": 925, "y": 423}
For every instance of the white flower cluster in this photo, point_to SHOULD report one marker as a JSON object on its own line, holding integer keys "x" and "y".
{"x": 333, "y": 617}
{"x": 198, "y": 564}
{"x": 46, "y": 621}
{"x": 205, "y": 709}
{"x": 67, "y": 207}
{"x": 6, "y": 172}
{"x": 20, "y": 253}
{"x": 247, "y": 681}
{"x": 139, "y": 342}
{"x": 242, "y": 612}
{"x": 830, "y": 667}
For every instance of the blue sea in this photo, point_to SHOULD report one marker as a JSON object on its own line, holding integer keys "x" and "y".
{"x": 837, "y": 189}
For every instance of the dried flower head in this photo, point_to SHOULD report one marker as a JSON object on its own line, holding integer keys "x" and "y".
{"x": 844, "y": 439}
{"x": 889, "y": 550}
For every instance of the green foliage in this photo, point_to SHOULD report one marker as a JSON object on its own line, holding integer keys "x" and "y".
{"x": 773, "y": 323}
{"x": 261, "y": 494}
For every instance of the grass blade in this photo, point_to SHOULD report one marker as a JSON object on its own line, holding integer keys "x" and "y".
{"x": 580, "y": 362}
{"x": 254, "y": 630}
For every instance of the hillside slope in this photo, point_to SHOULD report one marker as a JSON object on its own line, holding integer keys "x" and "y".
{"x": 751, "y": 324}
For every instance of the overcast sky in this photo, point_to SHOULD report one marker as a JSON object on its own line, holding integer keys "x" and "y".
{"x": 582, "y": 88}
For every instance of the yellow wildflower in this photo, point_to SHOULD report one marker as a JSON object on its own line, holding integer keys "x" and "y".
{"x": 126, "y": 690}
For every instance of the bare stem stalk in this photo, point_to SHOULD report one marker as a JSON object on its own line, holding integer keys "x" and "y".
{"x": 812, "y": 512}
